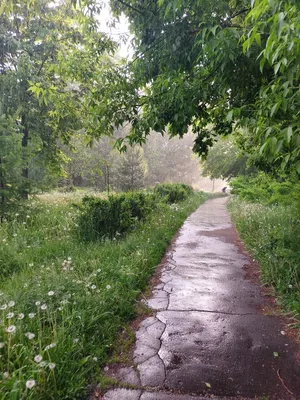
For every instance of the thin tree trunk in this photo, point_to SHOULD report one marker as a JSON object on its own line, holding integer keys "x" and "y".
{"x": 25, "y": 169}
{"x": 2, "y": 188}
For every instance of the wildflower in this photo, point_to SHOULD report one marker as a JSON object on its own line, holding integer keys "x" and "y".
{"x": 11, "y": 304}
{"x": 37, "y": 303}
{"x": 11, "y": 329}
{"x": 108, "y": 287}
{"x": 43, "y": 364}
{"x": 44, "y": 307}
{"x": 31, "y": 264}
{"x": 17, "y": 215}
{"x": 1, "y": 345}
{"x": 50, "y": 346}
{"x": 95, "y": 359}
{"x": 30, "y": 384}
{"x": 30, "y": 335}
{"x": 6, "y": 374}
{"x": 51, "y": 366}
{"x": 3, "y": 307}
{"x": 290, "y": 286}
{"x": 51, "y": 293}
{"x": 38, "y": 358}
{"x": 10, "y": 315}
{"x": 31, "y": 315}
{"x": 93, "y": 287}
{"x": 21, "y": 316}
{"x": 99, "y": 270}
{"x": 69, "y": 259}
{"x": 14, "y": 235}
{"x": 4, "y": 240}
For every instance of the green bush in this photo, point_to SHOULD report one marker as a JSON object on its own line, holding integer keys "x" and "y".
{"x": 108, "y": 218}
{"x": 172, "y": 193}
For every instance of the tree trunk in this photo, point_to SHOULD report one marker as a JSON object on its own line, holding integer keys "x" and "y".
{"x": 2, "y": 188}
{"x": 25, "y": 169}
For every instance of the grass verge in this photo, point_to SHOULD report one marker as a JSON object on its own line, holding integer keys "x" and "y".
{"x": 63, "y": 302}
{"x": 271, "y": 234}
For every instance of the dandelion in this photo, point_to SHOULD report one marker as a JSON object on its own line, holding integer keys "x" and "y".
{"x": 3, "y": 307}
{"x": 11, "y": 329}
{"x": 14, "y": 235}
{"x": 11, "y": 304}
{"x": 30, "y": 384}
{"x": 93, "y": 287}
{"x": 37, "y": 303}
{"x": 43, "y": 364}
{"x": 69, "y": 259}
{"x": 51, "y": 366}
{"x": 44, "y": 307}
{"x": 5, "y": 374}
{"x": 51, "y": 293}
{"x": 31, "y": 264}
{"x": 31, "y": 315}
{"x": 4, "y": 240}
{"x": 108, "y": 287}
{"x": 38, "y": 358}
{"x": 95, "y": 359}
{"x": 21, "y": 316}
{"x": 30, "y": 335}
{"x": 1, "y": 345}
{"x": 10, "y": 315}
{"x": 50, "y": 346}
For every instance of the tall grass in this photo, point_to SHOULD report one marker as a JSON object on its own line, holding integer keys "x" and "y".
{"x": 272, "y": 235}
{"x": 63, "y": 302}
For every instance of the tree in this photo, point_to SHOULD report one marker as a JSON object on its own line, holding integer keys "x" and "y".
{"x": 132, "y": 169}
{"x": 40, "y": 42}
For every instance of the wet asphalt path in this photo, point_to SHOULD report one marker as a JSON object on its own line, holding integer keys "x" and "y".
{"x": 208, "y": 335}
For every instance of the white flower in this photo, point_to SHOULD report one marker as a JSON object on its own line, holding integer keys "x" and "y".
{"x": 43, "y": 364}
{"x": 10, "y": 315}
{"x": 95, "y": 359}
{"x": 108, "y": 287}
{"x": 14, "y": 235}
{"x": 99, "y": 270}
{"x": 290, "y": 286}
{"x": 31, "y": 315}
{"x": 1, "y": 345}
{"x": 31, "y": 265}
{"x": 4, "y": 240}
{"x": 21, "y": 316}
{"x": 3, "y": 307}
{"x": 93, "y": 287}
{"x": 6, "y": 374}
{"x": 30, "y": 383}
{"x": 11, "y": 329}
{"x": 30, "y": 335}
{"x": 51, "y": 293}
{"x": 51, "y": 365}
{"x": 38, "y": 358}
{"x": 37, "y": 303}
{"x": 44, "y": 307}
{"x": 50, "y": 346}
{"x": 11, "y": 304}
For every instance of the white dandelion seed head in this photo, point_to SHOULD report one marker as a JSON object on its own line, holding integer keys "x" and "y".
{"x": 51, "y": 365}
{"x": 21, "y": 316}
{"x": 30, "y": 384}
{"x": 4, "y": 240}
{"x": 30, "y": 335}
{"x": 5, "y": 374}
{"x": 43, "y": 364}
{"x": 2, "y": 345}
{"x": 108, "y": 287}
{"x": 51, "y": 293}
{"x": 31, "y": 265}
{"x": 10, "y": 315}
{"x": 95, "y": 359}
{"x": 38, "y": 358}
{"x": 31, "y": 315}
{"x": 11, "y": 303}
{"x": 3, "y": 307}
{"x": 44, "y": 307}
{"x": 11, "y": 329}
{"x": 93, "y": 287}
{"x": 37, "y": 303}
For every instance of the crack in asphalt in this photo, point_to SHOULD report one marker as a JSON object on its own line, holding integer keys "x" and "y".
{"x": 211, "y": 311}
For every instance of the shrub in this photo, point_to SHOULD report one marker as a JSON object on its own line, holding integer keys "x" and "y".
{"x": 108, "y": 218}
{"x": 172, "y": 193}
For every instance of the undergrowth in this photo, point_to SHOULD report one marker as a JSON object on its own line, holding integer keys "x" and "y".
{"x": 63, "y": 302}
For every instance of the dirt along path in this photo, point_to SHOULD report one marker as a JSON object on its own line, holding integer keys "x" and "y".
{"x": 209, "y": 335}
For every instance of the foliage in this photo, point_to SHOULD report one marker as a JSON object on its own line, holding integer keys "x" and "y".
{"x": 90, "y": 292}
{"x": 132, "y": 170}
{"x": 271, "y": 234}
{"x": 264, "y": 189}
{"x": 225, "y": 160}
{"x": 172, "y": 193}
{"x": 114, "y": 216}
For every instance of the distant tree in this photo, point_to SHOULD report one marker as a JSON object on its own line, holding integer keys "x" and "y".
{"x": 132, "y": 169}
{"x": 225, "y": 160}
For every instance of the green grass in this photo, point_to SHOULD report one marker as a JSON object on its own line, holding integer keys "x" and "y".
{"x": 79, "y": 295}
{"x": 272, "y": 234}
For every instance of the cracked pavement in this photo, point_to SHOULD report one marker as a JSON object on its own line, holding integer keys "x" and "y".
{"x": 208, "y": 335}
